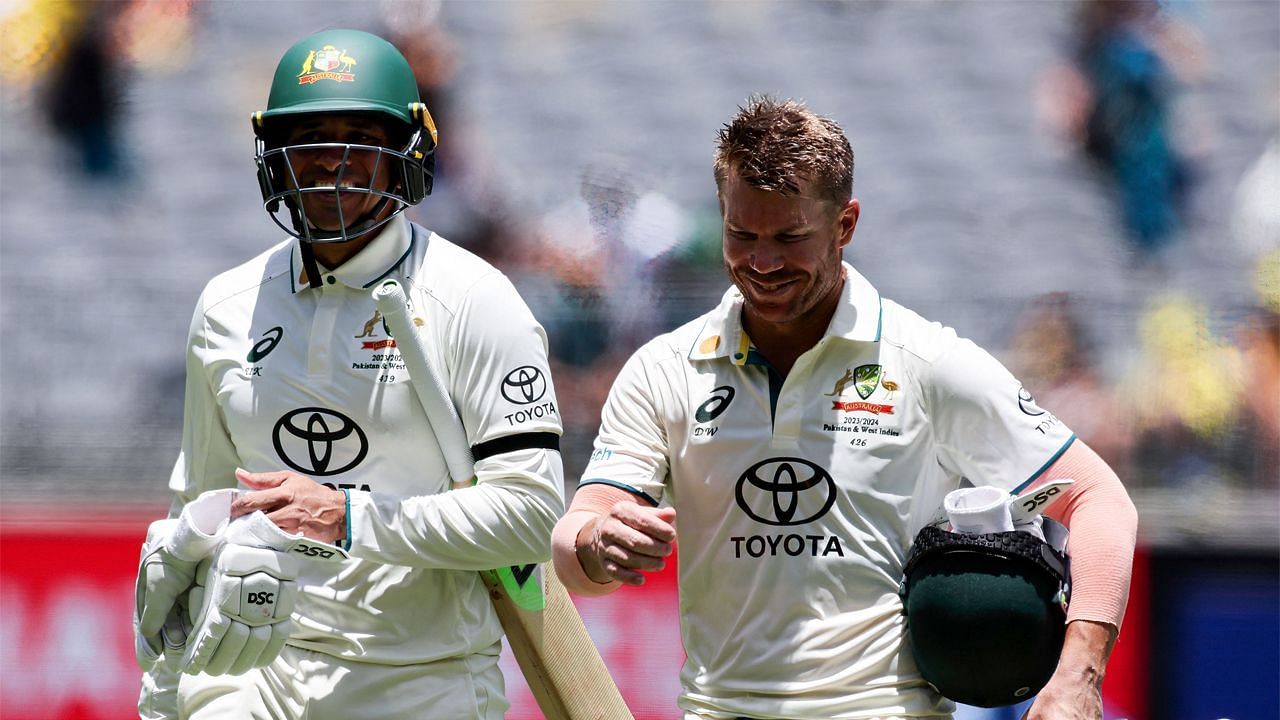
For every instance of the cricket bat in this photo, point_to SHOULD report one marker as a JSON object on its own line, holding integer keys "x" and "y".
{"x": 561, "y": 664}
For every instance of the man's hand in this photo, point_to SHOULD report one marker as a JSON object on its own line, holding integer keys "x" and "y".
{"x": 295, "y": 503}
{"x": 629, "y": 539}
{"x": 1075, "y": 690}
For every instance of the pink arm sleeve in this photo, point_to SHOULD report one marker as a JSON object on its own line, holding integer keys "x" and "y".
{"x": 588, "y": 502}
{"x": 1104, "y": 529}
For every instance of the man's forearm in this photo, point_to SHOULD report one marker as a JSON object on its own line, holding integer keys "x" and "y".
{"x": 1075, "y": 690}
{"x": 564, "y": 551}
{"x": 588, "y": 502}
{"x": 1085, "y": 650}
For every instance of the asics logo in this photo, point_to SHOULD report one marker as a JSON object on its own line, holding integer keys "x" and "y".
{"x": 713, "y": 406}
{"x": 264, "y": 346}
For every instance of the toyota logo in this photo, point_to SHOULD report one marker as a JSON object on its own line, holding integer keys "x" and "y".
{"x": 310, "y": 440}
{"x": 785, "y": 491}
{"x": 524, "y": 385}
{"x": 1027, "y": 404}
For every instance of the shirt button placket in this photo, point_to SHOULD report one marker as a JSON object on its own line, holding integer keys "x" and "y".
{"x": 321, "y": 342}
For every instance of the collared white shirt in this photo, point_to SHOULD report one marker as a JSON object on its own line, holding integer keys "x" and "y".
{"x": 282, "y": 375}
{"x": 798, "y": 499}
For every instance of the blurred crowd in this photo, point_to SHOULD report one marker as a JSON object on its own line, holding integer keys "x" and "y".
{"x": 1196, "y": 404}
{"x": 78, "y": 58}
{"x": 1193, "y": 399}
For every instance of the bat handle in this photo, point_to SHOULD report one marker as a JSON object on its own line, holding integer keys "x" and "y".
{"x": 392, "y": 302}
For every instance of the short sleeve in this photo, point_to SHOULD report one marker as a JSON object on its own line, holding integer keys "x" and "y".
{"x": 498, "y": 367}
{"x": 988, "y": 427}
{"x": 631, "y": 449}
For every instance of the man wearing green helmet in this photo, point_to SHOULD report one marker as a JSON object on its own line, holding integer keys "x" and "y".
{"x": 344, "y": 144}
{"x": 314, "y": 564}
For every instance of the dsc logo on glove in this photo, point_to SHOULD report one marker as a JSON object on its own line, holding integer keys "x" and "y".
{"x": 313, "y": 551}
{"x": 261, "y": 598}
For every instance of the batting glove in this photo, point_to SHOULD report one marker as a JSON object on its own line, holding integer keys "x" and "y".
{"x": 240, "y": 610}
{"x": 167, "y": 569}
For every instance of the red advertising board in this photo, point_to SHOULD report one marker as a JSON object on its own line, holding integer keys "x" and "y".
{"x": 66, "y": 636}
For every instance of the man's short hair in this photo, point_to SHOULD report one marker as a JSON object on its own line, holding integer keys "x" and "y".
{"x": 777, "y": 146}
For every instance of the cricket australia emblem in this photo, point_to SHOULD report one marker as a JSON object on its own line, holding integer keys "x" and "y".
{"x": 327, "y": 63}
{"x": 866, "y": 380}
{"x": 385, "y": 360}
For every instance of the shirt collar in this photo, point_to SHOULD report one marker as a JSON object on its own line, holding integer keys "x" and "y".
{"x": 857, "y": 318}
{"x": 860, "y": 314}
{"x": 374, "y": 262}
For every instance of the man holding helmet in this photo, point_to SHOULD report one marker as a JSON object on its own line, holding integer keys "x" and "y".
{"x": 315, "y": 565}
{"x": 806, "y": 431}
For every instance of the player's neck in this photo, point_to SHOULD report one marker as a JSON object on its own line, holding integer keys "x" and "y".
{"x": 783, "y": 343}
{"x": 333, "y": 255}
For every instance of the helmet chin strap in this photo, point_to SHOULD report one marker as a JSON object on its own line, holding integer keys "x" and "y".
{"x": 309, "y": 263}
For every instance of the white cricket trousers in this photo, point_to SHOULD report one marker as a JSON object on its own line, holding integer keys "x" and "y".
{"x": 308, "y": 685}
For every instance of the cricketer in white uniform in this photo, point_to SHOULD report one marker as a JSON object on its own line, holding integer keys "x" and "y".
{"x": 799, "y": 498}
{"x": 803, "y": 434}
{"x": 290, "y": 368}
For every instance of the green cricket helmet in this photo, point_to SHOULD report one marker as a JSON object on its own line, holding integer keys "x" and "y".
{"x": 986, "y": 614}
{"x": 345, "y": 72}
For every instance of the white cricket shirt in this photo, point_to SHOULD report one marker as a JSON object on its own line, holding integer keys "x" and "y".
{"x": 282, "y": 376}
{"x": 797, "y": 501}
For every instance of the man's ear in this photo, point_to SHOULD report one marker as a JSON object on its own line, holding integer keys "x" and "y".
{"x": 847, "y": 218}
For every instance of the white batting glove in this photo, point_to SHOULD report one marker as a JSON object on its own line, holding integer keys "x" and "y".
{"x": 167, "y": 569}
{"x": 160, "y": 580}
{"x": 240, "y": 610}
